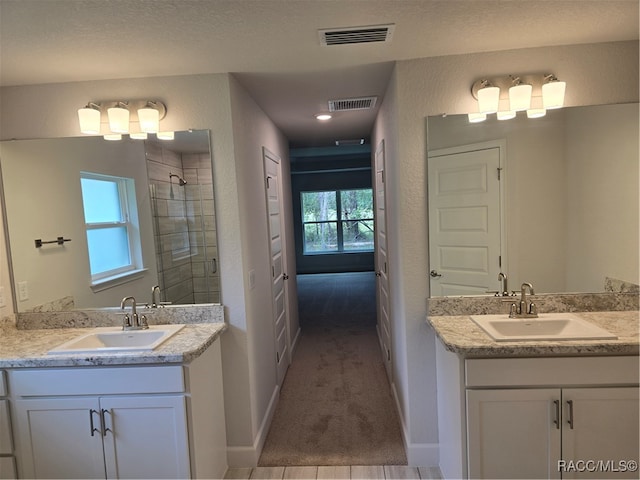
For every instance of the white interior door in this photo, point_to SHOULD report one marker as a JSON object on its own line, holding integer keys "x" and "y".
{"x": 278, "y": 275}
{"x": 382, "y": 274}
{"x": 465, "y": 219}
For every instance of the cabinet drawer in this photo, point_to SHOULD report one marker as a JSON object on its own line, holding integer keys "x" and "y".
{"x": 97, "y": 381}
{"x": 5, "y": 429}
{"x": 3, "y": 384}
{"x": 545, "y": 371}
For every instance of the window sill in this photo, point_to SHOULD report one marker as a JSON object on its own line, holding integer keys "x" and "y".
{"x": 120, "y": 279}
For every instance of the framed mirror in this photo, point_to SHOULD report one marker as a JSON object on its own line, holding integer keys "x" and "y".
{"x": 157, "y": 228}
{"x": 564, "y": 212}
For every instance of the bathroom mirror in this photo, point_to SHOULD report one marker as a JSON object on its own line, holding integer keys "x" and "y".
{"x": 172, "y": 216}
{"x": 567, "y": 201}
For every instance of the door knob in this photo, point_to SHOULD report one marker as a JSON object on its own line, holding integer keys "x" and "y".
{"x": 434, "y": 274}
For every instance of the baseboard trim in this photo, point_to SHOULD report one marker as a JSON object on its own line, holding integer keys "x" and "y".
{"x": 238, "y": 457}
{"x": 418, "y": 454}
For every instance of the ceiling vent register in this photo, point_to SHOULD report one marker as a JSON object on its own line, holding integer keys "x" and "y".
{"x": 354, "y": 35}
{"x": 348, "y": 104}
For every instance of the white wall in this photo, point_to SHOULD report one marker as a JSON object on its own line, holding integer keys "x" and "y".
{"x": 602, "y": 221}
{"x": 434, "y": 86}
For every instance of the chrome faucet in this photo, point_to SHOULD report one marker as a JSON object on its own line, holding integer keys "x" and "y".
{"x": 134, "y": 322}
{"x": 502, "y": 277}
{"x": 525, "y": 308}
{"x": 155, "y": 291}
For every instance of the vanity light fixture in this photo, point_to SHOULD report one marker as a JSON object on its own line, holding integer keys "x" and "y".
{"x": 553, "y": 92}
{"x": 488, "y": 97}
{"x": 119, "y": 118}
{"x": 477, "y": 117}
{"x": 533, "y": 93}
{"x": 138, "y": 135}
{"x": 519, "y": 95}
{"x": 165, "y": 135}
{"x": 112, "y": 136}
{"x": 89, "y": 118}
{"x": 506, "y": 115}
{"x": 149, "y": 118}
{"x": 122, "y": 116}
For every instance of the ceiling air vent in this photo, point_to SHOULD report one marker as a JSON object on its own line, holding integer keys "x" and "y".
{"x": 351, "y": 35}
{"x": 361, "y": 103}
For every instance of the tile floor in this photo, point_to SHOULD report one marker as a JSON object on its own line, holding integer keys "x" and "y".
{"x": 343, "y": 472}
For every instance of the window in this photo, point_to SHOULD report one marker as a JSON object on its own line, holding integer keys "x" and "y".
{"x": 337, "y": 221}
{"x": 110, "y": 216}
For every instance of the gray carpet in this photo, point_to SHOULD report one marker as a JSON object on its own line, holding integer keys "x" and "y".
{"x": 335, "y": 405}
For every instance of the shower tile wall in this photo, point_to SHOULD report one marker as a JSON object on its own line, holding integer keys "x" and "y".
{"x": 202, "y": 227}
{"x": 184, "y": 225}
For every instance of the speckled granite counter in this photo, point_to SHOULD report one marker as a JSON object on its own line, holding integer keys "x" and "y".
{"x": 26, "y": 343}
{"x": 461, "y": 335}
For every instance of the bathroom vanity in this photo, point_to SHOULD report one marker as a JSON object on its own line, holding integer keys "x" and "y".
{"x": 538, "y": 408}
{"x": 127, "y": 414}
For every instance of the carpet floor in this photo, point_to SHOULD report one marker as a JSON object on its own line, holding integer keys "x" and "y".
{"x": 335, "y": 405}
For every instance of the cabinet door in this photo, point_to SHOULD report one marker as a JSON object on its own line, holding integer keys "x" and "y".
{"x": 513, "y": 433}
{"x": 147, "y": 437}
{"x": 600, "y": 424}
{"x": 56, "y": 439}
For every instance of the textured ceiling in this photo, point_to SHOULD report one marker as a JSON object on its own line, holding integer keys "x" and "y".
{"x": 274, "y": 46}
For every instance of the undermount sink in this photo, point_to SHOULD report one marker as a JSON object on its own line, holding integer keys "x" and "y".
{"x": 548, "y": 326}
{"x": 115, "y": 340}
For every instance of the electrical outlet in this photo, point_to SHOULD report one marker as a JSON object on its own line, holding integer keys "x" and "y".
{"x": 23, "y": 291}
{"x": 3, "y": 302}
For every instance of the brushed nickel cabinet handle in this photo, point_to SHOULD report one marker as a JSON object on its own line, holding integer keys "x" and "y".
{"x": 556, "y": 420}
{"x": 91, "y": 425}
{"x": 570, "y": 420}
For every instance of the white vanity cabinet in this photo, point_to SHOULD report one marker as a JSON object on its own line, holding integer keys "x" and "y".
{"x": 7, "y": 461}
{"x": 122, "y": 421}
{"x": 538, "y": 417}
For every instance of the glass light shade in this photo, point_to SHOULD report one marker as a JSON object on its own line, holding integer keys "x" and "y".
{"x": 113, "y": 136}
{"x": 506, "y": 115}
{"x": 536, "y": 112}
{"x": 149, "y": 119}
{"x": 89, "y": 119}
{"x": 520, "y": 97}
{"x": 118, "y": 119}
{"x": 553, "y": 94}
{"x": 488, "y": 99}
{"x": 477, "y": 117}
{"x": 165, "y": 135}
{"x": 138, "y": 135}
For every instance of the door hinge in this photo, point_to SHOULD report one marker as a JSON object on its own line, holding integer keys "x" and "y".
{"x": 277, "y": 357}
{"x": 285, "y": 276}
{"x": 499, "y": 172}
{"x": 273, "y": 271}
{"x": 500, "y": 261}
{"x": 388, "y": 355}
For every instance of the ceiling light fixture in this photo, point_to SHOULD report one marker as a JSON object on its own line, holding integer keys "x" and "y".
{"x": 323, "y": 117}
{"x": 121, "y": 116}
{"x": 535, "y": 93}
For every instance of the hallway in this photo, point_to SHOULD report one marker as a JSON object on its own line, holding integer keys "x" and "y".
{"x": 336, "y": 406}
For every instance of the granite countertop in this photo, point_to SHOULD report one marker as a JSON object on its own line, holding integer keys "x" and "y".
{"x": 461, "y": 335}
{"x": 20, "y": 348}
